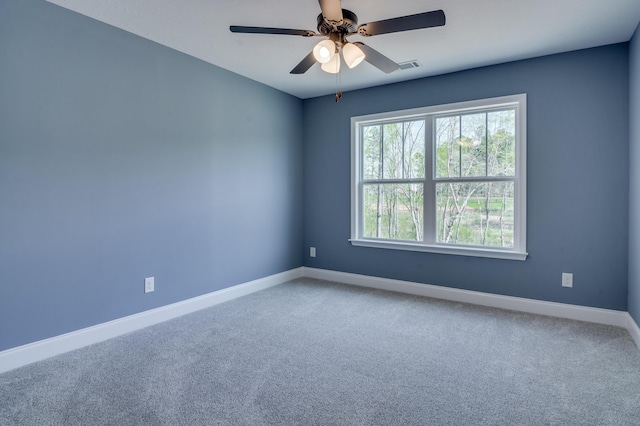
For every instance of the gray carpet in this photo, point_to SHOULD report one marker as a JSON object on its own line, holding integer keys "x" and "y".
{"x": 310, "y": 352}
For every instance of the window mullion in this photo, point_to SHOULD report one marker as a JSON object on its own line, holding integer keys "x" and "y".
{"x": 360, "y": 177}
{"x": 429, "y": 197}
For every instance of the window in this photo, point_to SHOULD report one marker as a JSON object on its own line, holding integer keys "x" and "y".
{"x": 445, "y": 179}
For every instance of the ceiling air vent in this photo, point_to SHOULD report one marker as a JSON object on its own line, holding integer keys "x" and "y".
{"x": 409, "y": 64}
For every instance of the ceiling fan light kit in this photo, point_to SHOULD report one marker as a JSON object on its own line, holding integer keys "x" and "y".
{"x": 337, "y": 24}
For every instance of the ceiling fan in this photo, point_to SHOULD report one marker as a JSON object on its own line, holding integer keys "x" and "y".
{"x": 337, "y": 24}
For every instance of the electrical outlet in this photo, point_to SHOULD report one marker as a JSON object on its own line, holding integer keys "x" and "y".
{"x": 149, "y": 284}
{"x": 567, "y": 279}
{"x": 312, "y": 251}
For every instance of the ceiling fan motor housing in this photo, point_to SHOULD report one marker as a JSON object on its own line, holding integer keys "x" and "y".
{"x": 349, "y": 24}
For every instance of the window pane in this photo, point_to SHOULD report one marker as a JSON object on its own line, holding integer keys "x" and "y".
{"x": 472, "y": 142}
{"x": 475, "y": 213}
{"x": 502, "y": 143}
{"x": 447, "y": 149}
{"x": 392, "y": 151}
{"x": 371, "y": 164}
{"x": 414, "y": 149}
{"x": 393, "y": 211}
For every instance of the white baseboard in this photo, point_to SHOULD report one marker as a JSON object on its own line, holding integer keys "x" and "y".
{"x": 561, "y": 310}
{"x": 634, "y": 330}
{"x": 37, "y": 351}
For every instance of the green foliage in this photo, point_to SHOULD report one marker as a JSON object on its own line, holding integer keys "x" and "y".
{"x": 466, "y": 145}
{"x": 371, "y": 150}
{"x": 476, "y": 213}
{"x": 394, "y": 150}
{"x": 393, "y": 211}
{"x": 476, "y": 145}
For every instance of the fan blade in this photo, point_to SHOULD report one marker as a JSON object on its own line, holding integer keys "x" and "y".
{"x": 377, "y": 59}
{"x": 331, "y": 10}
{"x": 434, "y": 18}
{"x": 266, "y": 30}
{"x": 304, "y": 65}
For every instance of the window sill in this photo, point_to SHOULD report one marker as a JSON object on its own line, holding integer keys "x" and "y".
{"x": 442, "y": 249}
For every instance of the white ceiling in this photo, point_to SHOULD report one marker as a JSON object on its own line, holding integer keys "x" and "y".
{"x": 477, "y": 33}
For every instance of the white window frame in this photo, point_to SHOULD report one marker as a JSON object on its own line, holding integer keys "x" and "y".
{"x": 518, "y": 252}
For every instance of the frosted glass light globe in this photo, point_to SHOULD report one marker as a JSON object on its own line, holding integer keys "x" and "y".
{"x": 352, "y": 54}
{"x": 324, "y": 51}
{"x": 333, "y": 66}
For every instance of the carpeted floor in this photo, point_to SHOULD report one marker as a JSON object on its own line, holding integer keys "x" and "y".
{"x": 310, "y": 352}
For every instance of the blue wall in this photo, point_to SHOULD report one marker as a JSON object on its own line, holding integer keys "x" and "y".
{"x": 634, "y": 177}
{"x": 121, "y": 159}
{"x": 578, "y": 179}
